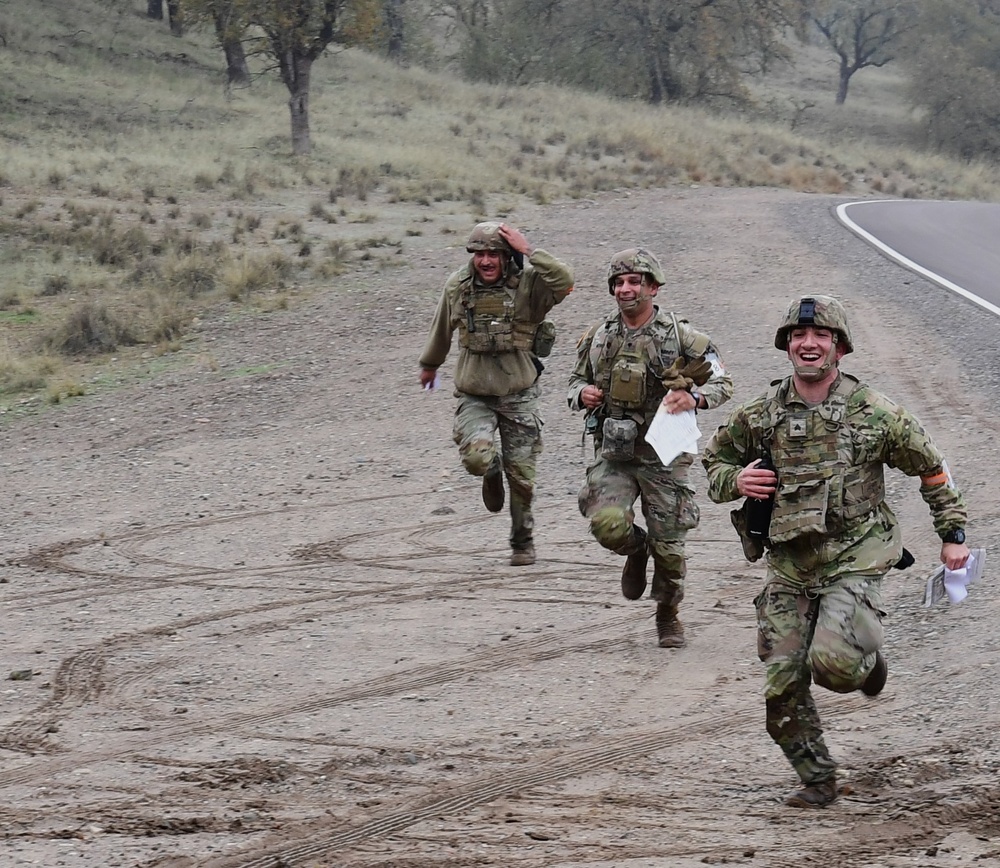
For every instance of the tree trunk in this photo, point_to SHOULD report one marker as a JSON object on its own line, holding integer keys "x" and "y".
{"x": 176, "y": 17}
{"x": 394, "y": 23}
{"x": 845, "y": 79}
{"x": 298, "y": 104}
{"x": 154, "y": 9}
{"x": 655, "y": 79}
{"x": 237, "y": 71}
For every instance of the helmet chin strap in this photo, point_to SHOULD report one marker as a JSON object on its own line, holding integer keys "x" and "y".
{"x": 641, "y": 297}
{"x": 813, "y": 375}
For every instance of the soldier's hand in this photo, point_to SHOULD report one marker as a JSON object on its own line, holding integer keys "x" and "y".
{"x": 591, "y": 397}
{"x": 516, "y": 239}
{"x": 954, "y": 555}
{"x": 427, "y": 376}
{"x": 754, "y": 481}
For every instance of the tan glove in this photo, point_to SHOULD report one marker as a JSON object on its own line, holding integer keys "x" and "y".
{"x": 683, "y": 374}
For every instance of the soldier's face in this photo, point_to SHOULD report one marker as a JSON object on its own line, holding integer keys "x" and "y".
{"x": 812, "y": 347}
{"x": 634, "y": 293}
{"x": 488, "y": 265}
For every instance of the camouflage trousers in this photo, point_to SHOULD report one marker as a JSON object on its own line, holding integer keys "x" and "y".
{"x": 477, "y": 420}
{"x": 608, "y": 499}
{"x": 828, "y": 635}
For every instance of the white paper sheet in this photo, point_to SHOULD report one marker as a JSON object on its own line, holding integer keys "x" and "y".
{"x": 670, "y": 434}
{"x": 953, "y": 584}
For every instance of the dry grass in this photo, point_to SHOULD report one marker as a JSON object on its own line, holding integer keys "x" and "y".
{"x": 133, "y": 182}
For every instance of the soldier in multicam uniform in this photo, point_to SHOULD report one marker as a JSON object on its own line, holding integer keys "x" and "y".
{"x": 627, "y": 366}
{"x": 831, "y": 537}
{"x": 498, "y": 305}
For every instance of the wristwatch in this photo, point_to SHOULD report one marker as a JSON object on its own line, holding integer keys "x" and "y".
{"x": 697, "y": 398}
{"x": 954, "y": 536}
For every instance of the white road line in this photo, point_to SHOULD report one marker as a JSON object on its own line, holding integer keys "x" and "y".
{"x": 902, "y": 260}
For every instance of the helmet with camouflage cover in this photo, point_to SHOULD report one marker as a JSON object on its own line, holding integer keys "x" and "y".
{"x": 635, "y": 260}
{"x": 821, "y": 311}
{"x": 486, "y": 236}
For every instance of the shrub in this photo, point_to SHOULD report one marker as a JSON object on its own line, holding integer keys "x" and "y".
{"x": 90, "y": 328}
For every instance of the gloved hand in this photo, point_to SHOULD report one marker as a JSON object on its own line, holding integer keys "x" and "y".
{"x": 683, "y": 374}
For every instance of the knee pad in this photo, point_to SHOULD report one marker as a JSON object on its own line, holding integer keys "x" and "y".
{"x": 477, "y": 456}
{"x": 831, "y": 674}
{"x": 611, "y": 527}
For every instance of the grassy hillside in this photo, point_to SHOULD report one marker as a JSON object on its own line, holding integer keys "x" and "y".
{"x": 136, "y": 192}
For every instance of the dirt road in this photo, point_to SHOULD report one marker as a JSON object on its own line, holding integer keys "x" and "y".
{"x": 267, "y": 620}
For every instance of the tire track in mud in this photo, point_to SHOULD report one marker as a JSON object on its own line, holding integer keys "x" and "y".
{"x": 57, "y": 557}
{"x": 314, "y": 842}
{"x": 491, "y": 660}
{"x": 79, "y": 678}
{"x": 927, "y": 821}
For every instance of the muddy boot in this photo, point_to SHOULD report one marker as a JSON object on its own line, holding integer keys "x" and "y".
{"x": 634, "y": 571}
{"x": 493, "y": 486}
{"x": 669, "y": 629}
{"x": 522, "y": 557}
{"x": 875, "y": 681}
{"x": 814, "y": 795}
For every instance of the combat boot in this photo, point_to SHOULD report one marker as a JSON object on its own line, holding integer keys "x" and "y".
{"x": 522, "y": 557}
{"x": 875, "y": 681}
{"x": 669, "y": 629}
{"x": 814, "y": 795}
{"x": 634, "y": 571}
{"x": 493, "y": 486}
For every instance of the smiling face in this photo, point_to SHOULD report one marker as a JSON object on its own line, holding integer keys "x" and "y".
{"x": 489, "y": 265}
{"x": 814, "y": 352}
{"x": 634, "y": 294}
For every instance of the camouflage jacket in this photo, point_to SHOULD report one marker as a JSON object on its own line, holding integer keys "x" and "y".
{"x": 527, "y": 296}
{"x": 837, "y": 448}
{"x": 657, "y": 344}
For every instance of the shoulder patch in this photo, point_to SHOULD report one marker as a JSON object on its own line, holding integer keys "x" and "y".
{"x": 588, "y": 335}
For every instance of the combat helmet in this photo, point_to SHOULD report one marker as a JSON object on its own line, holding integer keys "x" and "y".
{"x": 486, "y": 236}
{"x": 635, "y": 260}
{"x": 822, "y": 311}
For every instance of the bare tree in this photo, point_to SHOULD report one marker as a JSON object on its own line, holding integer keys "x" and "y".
{"x": 395, "y": 24}
{"x": 176, "y": 17}
{"x": 296, "y": 33}
{"x": 862, "y": 33}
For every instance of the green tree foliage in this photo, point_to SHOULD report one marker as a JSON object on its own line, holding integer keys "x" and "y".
{"x": 955, "y": 73}
{"x": 291, "y": 35}
{"x": 862, "y": 33}
{"x": 656, "y": 50}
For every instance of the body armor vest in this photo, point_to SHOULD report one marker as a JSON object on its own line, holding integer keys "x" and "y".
{"x": 488, "y": 325}
{"x": 628, "y": 366}
{"x": 821, "y": 489}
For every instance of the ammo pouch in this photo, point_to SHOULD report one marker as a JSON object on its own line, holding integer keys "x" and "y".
{"x": 618, "y": 442}
{"x": 628, "y": 383}
{"x": 800, "y": 509}
{"x": 545, "y": 337}
{"x": 753, "y": 548}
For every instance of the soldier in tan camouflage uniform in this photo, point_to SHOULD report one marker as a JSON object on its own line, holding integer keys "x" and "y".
{"x": 627, "y": 366}
{"x": 498, "y": 303}
{"x": 831, "y": 537}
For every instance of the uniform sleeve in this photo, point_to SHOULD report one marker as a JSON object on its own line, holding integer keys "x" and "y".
{"x": 583, "y": 373}
{"x": 552, "y": 281}
{"x": 727, "y": 453}
{"x": 719, "y": 387}
{"x": 911, "y": 450}
{"x": 439, "y": 339}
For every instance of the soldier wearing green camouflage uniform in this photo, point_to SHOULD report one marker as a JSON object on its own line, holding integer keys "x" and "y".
{"x": 498, "y": 303}
{"x": 831, "y": 537}
{"x": 629, "y": 364}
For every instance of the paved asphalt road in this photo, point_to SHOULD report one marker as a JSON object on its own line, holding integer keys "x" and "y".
{"x": 954, "y": 244}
